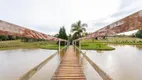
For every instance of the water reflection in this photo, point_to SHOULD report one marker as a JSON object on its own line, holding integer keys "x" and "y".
{"x": 139, "y": 47}
{"x": 47, "y": 71}
{"x": 88, "y": 70}
{"x": 99, "y": 51}
{"x": 123, "y": 63}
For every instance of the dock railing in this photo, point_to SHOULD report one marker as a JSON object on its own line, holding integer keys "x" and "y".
{"x": 103, "y": 74}
{"x": 31, "y": 72}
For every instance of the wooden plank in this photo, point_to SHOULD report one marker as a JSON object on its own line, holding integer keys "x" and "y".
{"x": 69, "y": 68}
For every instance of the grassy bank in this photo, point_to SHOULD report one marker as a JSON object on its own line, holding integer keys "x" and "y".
{"x": 86, "y": 44}
{"x": 124, "y": 40}
{"x": 17, "y": 44}
{"x": 50, "y": 46}
{"x": 118, "y": 40}
{"x": 102, "y": 44}
{"x": 95, "y": 46}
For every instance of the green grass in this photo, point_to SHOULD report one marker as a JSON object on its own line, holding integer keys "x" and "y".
{"x": 102, "y": 44}
{"x": 86, "y": 44}
{"x": 118, "y": 40}
{"x": 124, "y": 40}
{"x": 51, "y": 46}
{"x": 96, "y": 46}
{"x": 17, "y": 44}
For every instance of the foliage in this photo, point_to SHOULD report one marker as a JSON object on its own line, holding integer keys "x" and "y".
{"x": 78, "y": 29}
{"x": 56, "y": 35}
{"x": 139, "y": 34}
{"x": 25, "y": 39}
{"x": 69, "y": 37}
{"x": 118, "y": 40}
{"x": 8, "y": 37}
{"x": 62, "y": 34}
{"x": 3, "y": 37}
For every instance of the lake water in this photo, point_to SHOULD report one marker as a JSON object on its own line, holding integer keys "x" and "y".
{"x": 15, "y": 63}
{"x": 123, "y": 63}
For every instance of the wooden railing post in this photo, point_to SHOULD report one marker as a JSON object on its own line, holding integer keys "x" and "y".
{"x": 59, "y": 50}
{"x": 59, "y": 46}
{"x": 75, "y": 46}
{"x": 65, "y": 45}
{"x": 80, "y": 45}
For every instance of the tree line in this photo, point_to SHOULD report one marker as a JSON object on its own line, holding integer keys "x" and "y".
{"x": 78, "y": 30}
{"x": 23, "y": 39}
{"x": 8, "y": 37}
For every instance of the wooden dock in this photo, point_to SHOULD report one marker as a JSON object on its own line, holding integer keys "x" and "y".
{"x": 69, "y": 68}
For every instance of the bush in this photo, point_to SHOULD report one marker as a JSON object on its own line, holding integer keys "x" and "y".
{"x": 139, "y": 34}
{"x": 3, "y": 37}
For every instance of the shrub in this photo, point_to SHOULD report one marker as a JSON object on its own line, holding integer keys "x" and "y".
{"x": 139, "y": 34}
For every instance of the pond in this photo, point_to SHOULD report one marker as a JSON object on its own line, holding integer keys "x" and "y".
{"x": 123, "y": 63}
{"x": 15, "y": 63}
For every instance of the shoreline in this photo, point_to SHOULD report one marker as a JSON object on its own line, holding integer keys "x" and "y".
{"x": 90, "y": 45}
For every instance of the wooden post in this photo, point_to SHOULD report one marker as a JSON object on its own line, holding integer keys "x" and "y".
{"x": 59, "y": 45}
{"x": 79, "y": 51}
{"x": 80, "y": 45}
{"x": 59, "y": 49}
{"x": 75, "y": 46}
{"x": 65, "y": 45}
{"x": 68, "y": 43}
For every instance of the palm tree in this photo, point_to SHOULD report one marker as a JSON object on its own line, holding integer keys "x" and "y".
{"x": 78, "y": 29}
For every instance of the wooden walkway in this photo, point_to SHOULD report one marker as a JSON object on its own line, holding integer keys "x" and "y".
{"x": 69, "y": 68}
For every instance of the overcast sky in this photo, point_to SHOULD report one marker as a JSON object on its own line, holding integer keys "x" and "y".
{"x": 48, "y": 16}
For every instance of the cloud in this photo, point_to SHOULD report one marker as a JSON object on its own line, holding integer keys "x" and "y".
{"x": 125, "y": 3}
{"x": 126, "y": 8}
{"x": 49, "y": 15}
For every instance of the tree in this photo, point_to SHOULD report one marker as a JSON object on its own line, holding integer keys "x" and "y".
{"x": 3, "y": 37}
{"x": 62, "y": 34}
{"x": 10, "y": 37}
{"x": 139, "y": 34}
{"x": 56, "y": 35}
{"x": 78, "y": 29}
{"x": 69, "y": 37}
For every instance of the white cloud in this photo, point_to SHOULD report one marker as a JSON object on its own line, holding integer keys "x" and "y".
{"x": 126, "y": 8}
